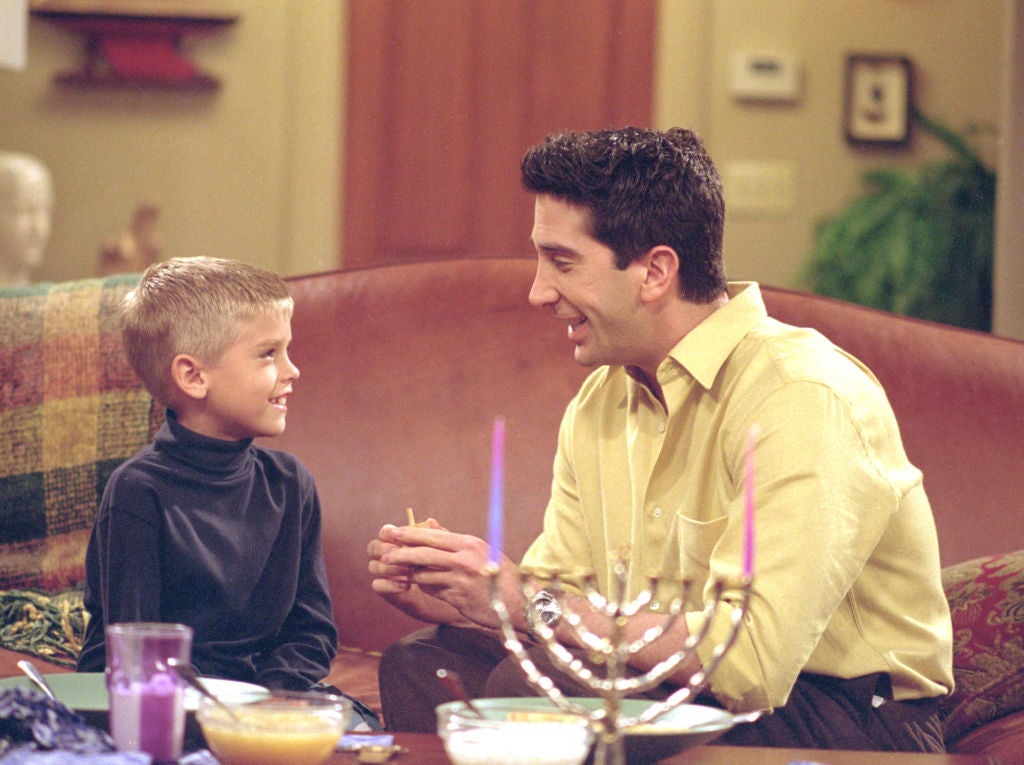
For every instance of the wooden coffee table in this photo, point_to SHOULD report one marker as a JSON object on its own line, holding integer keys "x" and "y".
{"x": 426, "y": 749}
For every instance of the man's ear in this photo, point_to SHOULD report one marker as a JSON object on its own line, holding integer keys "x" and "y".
{"x": 662, "y": 273}
{"x": 189, "y": 376}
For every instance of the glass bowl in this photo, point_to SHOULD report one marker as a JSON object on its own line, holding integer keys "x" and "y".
{"x": 513, "y": 735}
{"x": 279, "y": 727}
{"x": 681, "y": 728}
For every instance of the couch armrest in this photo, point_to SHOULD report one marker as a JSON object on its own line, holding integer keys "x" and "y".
{"x": 1002, "y": 740}
{"x": 9, "y": 664}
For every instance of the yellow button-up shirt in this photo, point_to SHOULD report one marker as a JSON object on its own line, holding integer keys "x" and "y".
{"x": 846, "y": 563}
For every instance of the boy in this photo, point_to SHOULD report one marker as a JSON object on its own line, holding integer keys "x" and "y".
{"x": 203, "y": 526}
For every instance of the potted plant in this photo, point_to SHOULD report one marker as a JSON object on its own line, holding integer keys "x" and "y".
{"x": 919, "y": 242}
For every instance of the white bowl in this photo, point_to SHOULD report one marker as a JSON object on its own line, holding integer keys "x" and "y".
{"x": 685, "y": 726}
{"x": 513, "y": 735}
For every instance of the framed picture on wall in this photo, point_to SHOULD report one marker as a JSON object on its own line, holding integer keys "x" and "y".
{"x": 878, "y": 100}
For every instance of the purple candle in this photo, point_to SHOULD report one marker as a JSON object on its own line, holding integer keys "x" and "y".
{"x": 496, "y": 511}
{"x": 748, "y": 504}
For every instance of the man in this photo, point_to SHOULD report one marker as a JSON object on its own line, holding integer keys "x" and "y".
{"x": 847, "y": 641}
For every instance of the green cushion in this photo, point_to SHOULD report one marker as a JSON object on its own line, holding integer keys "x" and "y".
{"x": 48, "y": 625}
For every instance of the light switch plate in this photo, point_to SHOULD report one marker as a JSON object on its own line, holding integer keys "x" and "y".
{"x": 760, "y": 187}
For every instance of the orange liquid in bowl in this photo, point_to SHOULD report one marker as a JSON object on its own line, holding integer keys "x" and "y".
{"x": 271, "y": 737}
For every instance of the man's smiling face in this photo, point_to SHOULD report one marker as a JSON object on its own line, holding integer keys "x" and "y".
{"x": 577, "y": 279}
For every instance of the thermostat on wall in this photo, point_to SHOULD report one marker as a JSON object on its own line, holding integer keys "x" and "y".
{"x": 765, "y": 76}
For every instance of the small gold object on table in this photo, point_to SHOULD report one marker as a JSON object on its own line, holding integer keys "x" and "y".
{"x": 614, "y": 649}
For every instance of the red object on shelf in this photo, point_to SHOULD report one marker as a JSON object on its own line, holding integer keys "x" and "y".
{"x": 137, "y": 50}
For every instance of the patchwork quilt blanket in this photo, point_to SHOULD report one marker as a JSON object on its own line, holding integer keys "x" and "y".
{"x": 71, "y": 410}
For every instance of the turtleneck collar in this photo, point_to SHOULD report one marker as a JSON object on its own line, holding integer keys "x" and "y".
{"x": 210, "y": 455}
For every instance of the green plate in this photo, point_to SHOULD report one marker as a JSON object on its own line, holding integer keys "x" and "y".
{"x": 685, "y": 726}
{"x": 87, "y": 691}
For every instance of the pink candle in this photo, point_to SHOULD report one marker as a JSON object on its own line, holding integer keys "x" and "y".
{"x": 496, "y": 512}
{"x": 748, "y": 504}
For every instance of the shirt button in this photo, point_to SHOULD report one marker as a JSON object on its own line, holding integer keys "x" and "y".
{"x": 655, "y": 605}
{"x": 658, "y": 512}
{"x": 661, "y": 426}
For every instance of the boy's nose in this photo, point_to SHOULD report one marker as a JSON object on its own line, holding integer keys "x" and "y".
{"x": 291, "y": 371}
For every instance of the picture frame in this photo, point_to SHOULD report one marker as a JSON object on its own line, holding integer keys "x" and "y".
{"x": 878, "y": 100}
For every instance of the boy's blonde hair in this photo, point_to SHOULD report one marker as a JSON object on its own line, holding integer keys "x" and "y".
{"x": 194, "y": 306}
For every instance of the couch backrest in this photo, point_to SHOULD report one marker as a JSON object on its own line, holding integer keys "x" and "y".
{"x": 404, "y": 368}
{"x": 959, "y": 399}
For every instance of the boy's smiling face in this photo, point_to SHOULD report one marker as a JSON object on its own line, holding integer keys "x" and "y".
{"x": 246, "y": 392}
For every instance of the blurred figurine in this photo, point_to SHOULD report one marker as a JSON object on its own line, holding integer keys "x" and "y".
{"x": 136, "y": 248}
{"x": 26, "y": 202}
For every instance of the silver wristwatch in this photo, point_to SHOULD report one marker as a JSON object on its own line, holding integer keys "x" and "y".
{"x": 543, "y": 607}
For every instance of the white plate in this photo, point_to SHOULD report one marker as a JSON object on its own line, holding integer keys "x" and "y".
{"x": 87, "y": 691}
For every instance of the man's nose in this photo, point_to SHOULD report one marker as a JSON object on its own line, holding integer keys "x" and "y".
{"x": 541, "y": 292}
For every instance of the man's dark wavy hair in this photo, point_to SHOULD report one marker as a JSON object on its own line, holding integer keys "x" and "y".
{"x": 642, "y": 188}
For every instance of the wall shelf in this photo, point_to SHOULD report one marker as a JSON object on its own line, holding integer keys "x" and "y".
{"x": 137, "y": 44}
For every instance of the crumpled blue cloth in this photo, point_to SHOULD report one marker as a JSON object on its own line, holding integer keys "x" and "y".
{"x": 35, "y": 730}
{"x": 28, "y": 755}
{"x": 30, "y": 720}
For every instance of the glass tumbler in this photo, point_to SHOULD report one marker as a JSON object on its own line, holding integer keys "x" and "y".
{"x": 147, "y": 698}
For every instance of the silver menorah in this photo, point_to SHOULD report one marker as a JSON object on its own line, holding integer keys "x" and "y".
{"x": 614, "y": 649}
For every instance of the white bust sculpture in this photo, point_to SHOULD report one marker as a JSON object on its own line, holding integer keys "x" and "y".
{"x": 26, "y": 202}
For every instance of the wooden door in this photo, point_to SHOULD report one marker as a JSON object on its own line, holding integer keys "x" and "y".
{"x": 444, "y": 97}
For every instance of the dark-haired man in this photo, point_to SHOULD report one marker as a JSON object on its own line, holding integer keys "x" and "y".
{"x": 847, "y": 641}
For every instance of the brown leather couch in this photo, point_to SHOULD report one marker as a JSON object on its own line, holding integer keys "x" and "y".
{"x": 403, "y": 369}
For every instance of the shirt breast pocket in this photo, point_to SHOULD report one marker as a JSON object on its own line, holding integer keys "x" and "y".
{"x": 697, "y": 539}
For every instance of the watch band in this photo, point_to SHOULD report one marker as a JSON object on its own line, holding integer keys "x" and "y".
{"x": 543, "y": 607}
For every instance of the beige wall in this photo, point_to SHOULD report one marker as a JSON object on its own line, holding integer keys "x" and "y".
{"x": 252, "y": 170}
{"x": 249, "y": 171}
{"x": 955, "y": 48}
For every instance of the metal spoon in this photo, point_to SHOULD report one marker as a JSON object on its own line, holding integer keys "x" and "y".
{"x": 37, "y": 677}
{"x": 186, "y": 672}
{"x": 452, "y": 683}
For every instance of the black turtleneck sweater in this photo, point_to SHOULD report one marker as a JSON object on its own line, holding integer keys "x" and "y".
{"x": 223, "y": 536}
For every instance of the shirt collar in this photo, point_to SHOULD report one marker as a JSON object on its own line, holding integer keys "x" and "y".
{"x": 705, "y": 348}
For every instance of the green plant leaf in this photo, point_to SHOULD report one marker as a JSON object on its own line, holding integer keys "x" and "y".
{"x": 918, "y": 242}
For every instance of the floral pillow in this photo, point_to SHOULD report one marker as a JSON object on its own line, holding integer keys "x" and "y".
{"x": 986, "y": 599}
{"x": 48, "y": 625}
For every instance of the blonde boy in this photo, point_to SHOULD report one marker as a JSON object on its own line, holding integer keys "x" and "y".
{"x": 203, "y": 526}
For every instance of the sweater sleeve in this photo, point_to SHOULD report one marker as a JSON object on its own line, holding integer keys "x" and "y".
{"x": 122, "y": 565}
{"x": 308, "y": 638}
